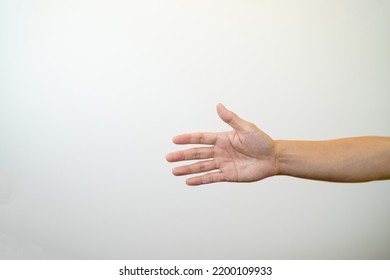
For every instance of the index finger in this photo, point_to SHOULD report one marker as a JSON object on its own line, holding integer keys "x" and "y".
{"x": 206, "y": 138}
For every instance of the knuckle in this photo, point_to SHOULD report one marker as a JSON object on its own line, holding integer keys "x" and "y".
{"x": 197, "y": 154}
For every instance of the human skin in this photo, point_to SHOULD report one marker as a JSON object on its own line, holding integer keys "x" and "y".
{"x": 247, "y": 154}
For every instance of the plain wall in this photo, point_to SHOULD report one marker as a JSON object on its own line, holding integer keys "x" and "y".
{"x": 92, "y": 92}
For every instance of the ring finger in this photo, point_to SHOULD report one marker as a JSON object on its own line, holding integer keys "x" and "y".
{"x": 202, "y": 166}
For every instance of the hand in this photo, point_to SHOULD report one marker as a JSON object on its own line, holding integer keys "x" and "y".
{"x": 245, "y": 154}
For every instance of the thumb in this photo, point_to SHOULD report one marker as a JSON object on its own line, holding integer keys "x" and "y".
{"x": 231, "y": 119}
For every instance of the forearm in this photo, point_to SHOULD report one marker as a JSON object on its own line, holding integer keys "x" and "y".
{"x": 357, "y": 159}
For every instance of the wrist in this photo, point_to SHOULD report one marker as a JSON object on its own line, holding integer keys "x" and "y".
{"x": 279, "y": 148}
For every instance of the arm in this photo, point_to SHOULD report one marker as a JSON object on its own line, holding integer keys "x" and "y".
{"x": 359, "y": 159}
{"x": 247, "y": 154}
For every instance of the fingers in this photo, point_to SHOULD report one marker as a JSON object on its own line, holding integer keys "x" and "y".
{"x": 190, "y": 154}
{"x": 206, "y": 138}
{"x": 231, "y": 119}
{"x": 202, "y": 166}
{"x": 208, "y": 178}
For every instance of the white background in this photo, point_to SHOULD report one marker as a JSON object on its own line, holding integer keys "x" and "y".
{"x": 91, "y": 93}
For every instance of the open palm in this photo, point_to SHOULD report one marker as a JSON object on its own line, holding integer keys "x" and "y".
{"x": 245, "y": 154}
